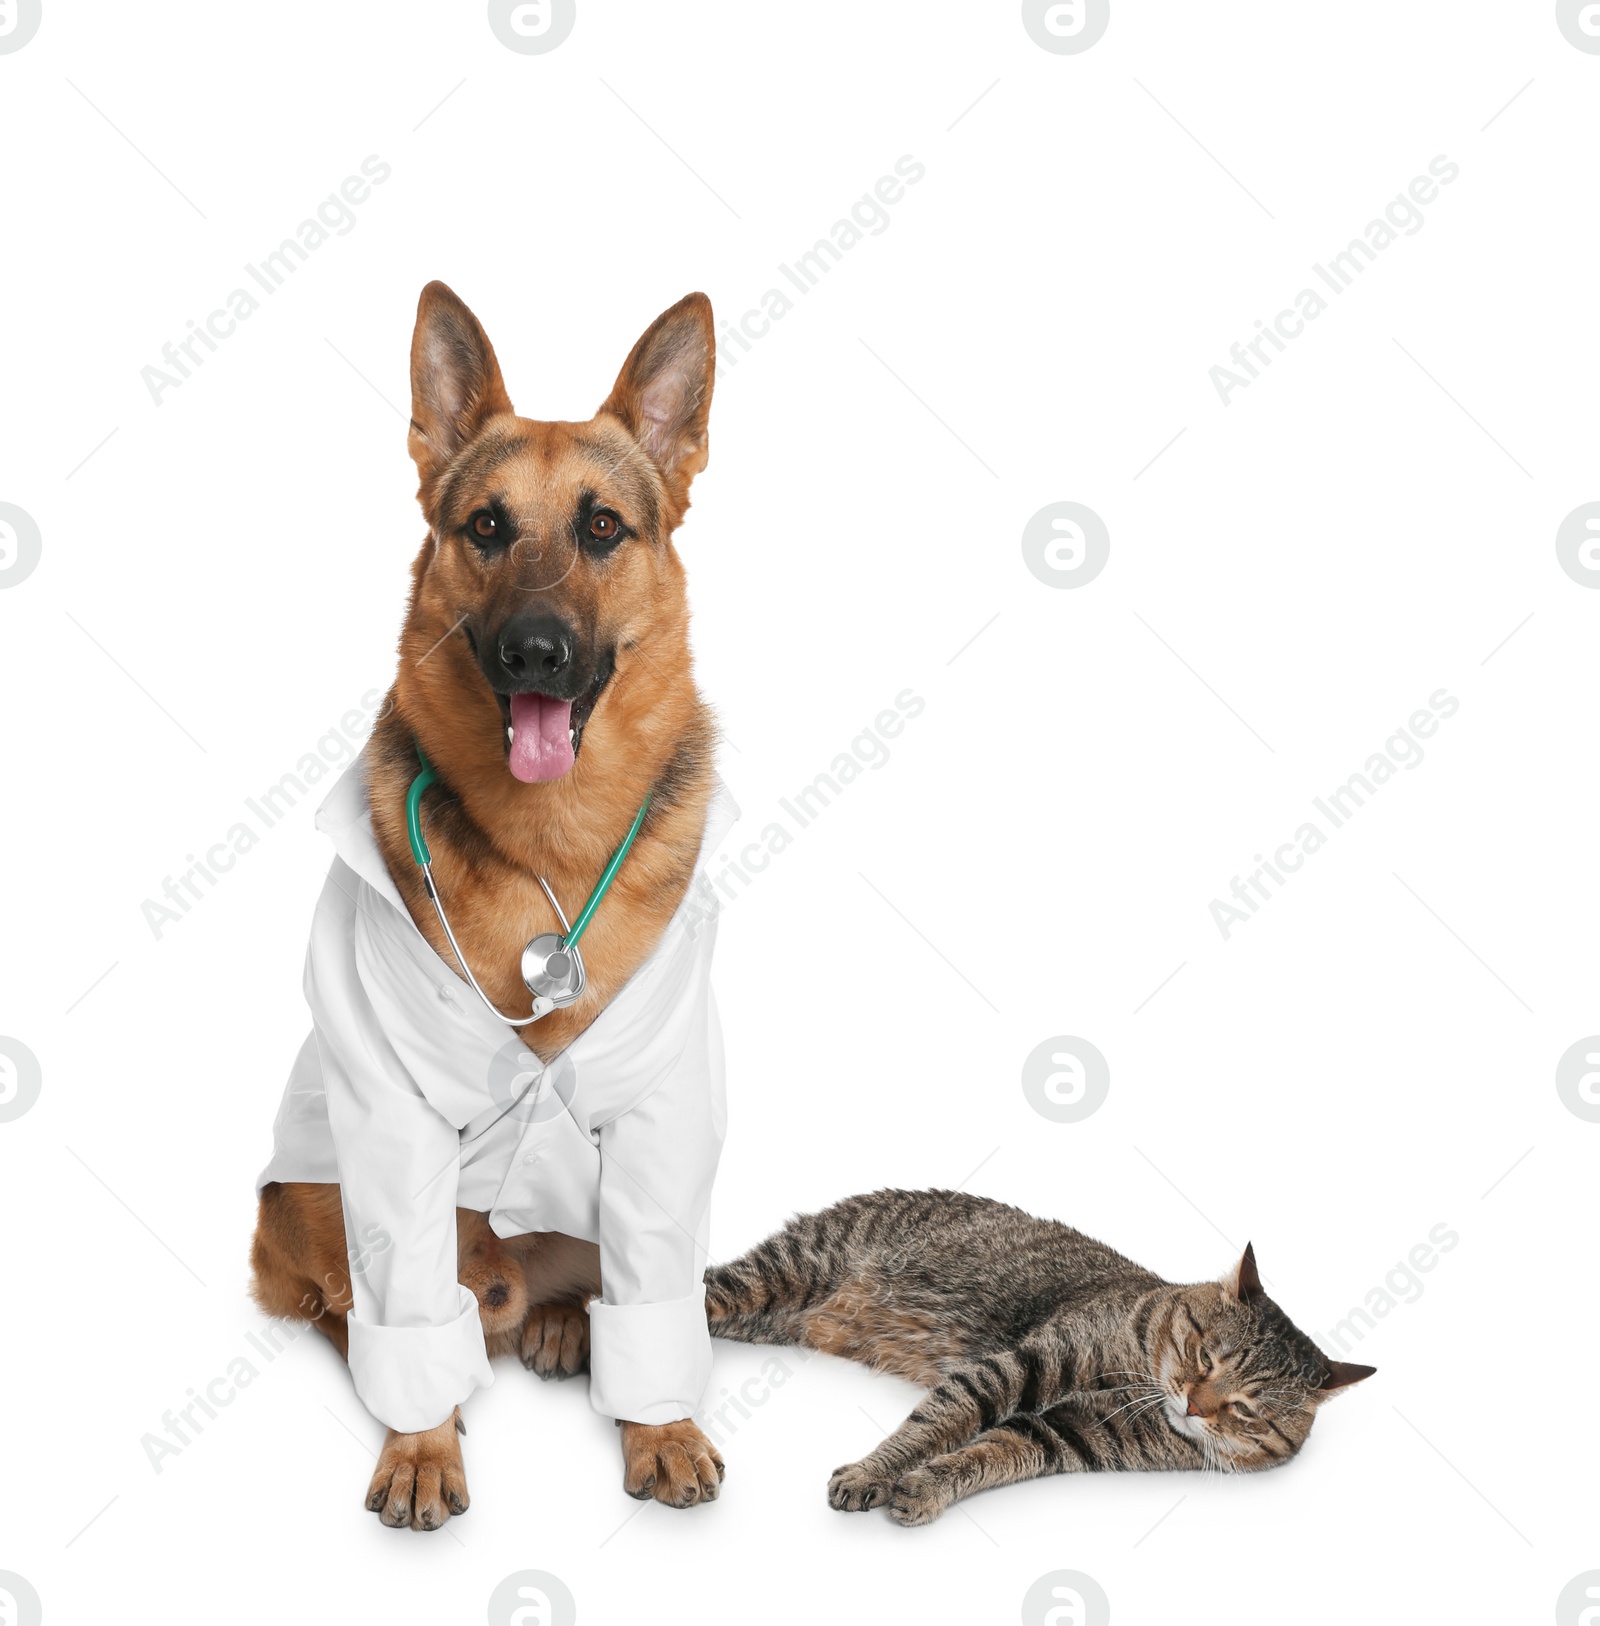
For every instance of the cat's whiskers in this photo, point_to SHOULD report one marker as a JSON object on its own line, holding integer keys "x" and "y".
{"x": 1210, "y": 1457}
{"x": 1146, "y": 1398}
{"x": 1146, "y": 1404}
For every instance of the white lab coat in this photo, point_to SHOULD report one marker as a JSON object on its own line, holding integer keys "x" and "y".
{"x": 414, "y": 1098}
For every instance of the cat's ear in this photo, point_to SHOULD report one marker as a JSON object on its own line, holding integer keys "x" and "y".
{"x": 1246, "y": 1283}
{"x": 1341, "y": 1374}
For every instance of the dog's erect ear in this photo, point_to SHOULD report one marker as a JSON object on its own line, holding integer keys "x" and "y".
{"x": 455, "y": 380}
{"x": 663, "y": 393}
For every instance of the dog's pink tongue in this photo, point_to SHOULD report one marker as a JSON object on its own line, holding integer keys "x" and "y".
{"x": 540, "y": 746}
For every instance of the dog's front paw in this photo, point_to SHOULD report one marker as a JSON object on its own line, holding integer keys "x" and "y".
{"x": 917, "y": 1498}
{"x": 859, "y": 1486}
{"x": 675, "y": 1463}
{"x": 555, "y": 1340}
{"x": 420, "y": 1479}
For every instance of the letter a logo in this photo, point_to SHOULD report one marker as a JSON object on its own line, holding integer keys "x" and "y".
{"x": 536, "y": 1612}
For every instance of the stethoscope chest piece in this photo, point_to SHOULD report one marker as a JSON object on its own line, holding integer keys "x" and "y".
{"x": 552, "y": 970}
{"x": 552, "y": 967}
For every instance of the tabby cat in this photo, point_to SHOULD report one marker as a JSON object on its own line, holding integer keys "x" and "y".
{"x": 1044, "y": 1351}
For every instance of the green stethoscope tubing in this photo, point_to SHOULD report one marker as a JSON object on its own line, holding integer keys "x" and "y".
{"x": 607, "y": 876}
{"x": 419, "y": 847}
{"x": 424, "y": 858}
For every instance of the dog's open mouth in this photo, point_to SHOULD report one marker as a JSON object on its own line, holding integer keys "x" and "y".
{"x": 541, "y": 742}
{"x": 542, "y": 733}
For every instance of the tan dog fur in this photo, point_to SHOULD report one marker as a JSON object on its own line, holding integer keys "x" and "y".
{"x": 491, "y": 835}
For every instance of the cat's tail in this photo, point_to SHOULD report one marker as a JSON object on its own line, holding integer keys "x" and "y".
{"x": 768, "y": 1295}
{"x": 759, "y": 1297}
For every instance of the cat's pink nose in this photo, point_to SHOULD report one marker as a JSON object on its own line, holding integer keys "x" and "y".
{"x": 1194, "y": 1410}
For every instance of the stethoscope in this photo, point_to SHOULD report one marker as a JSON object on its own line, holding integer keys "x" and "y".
{"x": 552, "y": 967}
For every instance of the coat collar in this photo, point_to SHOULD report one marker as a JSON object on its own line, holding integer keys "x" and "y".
{"x": 345, "y": 817}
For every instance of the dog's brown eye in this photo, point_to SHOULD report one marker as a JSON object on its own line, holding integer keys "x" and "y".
{"x": 603, "y": 527}
{"x": 483, "y": 526}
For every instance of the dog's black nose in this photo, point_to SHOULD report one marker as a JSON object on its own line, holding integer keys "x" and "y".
{"x": 535, "y": 648}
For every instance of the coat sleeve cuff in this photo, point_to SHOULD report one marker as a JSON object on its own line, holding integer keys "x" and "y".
{"x": 412, "y": 1378}
{"x": 649, "y": 1363}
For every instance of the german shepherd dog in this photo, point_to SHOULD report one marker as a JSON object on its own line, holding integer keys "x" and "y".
{"x": 590, "y": 612}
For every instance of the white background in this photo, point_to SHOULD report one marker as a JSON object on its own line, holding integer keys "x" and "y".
{"x": 1288, "y": 581}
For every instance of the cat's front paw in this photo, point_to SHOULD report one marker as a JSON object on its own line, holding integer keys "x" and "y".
{"x": 858, "y": 1486}
{"x": 917, "y": 1498}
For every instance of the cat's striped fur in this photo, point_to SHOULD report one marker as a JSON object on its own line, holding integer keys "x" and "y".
{"x": 1044, "y": 1351}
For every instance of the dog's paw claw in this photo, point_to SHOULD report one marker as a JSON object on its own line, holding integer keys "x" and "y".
{"x": 674, "y": 1463}
{"x": 419, "y": 1481}
{"x": 555, "y": 1340}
